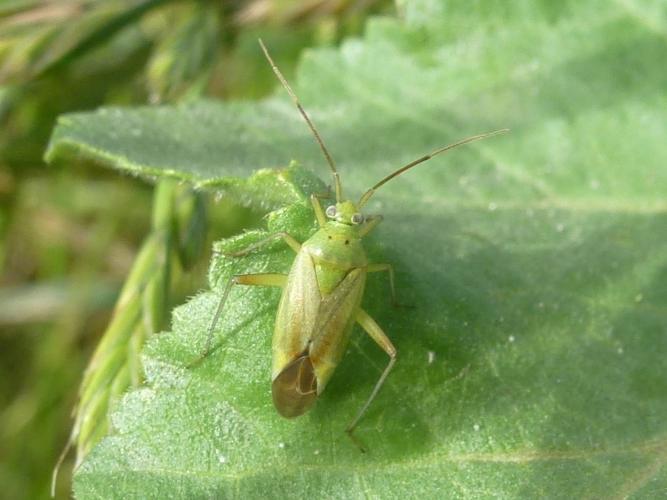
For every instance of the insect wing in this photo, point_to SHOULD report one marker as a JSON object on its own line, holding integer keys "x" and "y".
{"x": 294, "y": 385}
{"x": 335, "y": 319}
{"x": 295, "y": 388}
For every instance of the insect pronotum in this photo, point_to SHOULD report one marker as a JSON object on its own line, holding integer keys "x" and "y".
{"x": 322, "y": 293}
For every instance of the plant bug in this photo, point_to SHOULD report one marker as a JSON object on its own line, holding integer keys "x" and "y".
{"x": 322, "y": 293}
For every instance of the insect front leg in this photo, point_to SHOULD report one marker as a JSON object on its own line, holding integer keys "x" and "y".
{"x": 294, "y": 245}
{"x": 369, "y": 225}
{"x": 376, "y": 268}
{"x": 376, "y": 333}
{"x": 262, "y": 279}
{"x": 317, "y": 207}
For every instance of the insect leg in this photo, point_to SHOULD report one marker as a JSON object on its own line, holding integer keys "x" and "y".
{"x": 294, "y": 245}
{"x": 263, "y": 279}
{"x": 371, "y": 222}
{"x": 376, "y": 333}
{"x": 319, "y": 213}
{"x": 375, "y": 268}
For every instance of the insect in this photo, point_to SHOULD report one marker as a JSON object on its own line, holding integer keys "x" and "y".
{"x": 322, "y": 293}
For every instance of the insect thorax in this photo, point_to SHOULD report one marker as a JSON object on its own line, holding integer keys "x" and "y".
{"x": 335, "y": 249}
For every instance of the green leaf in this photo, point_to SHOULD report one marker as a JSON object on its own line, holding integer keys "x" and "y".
{"x": 533, "y": 364}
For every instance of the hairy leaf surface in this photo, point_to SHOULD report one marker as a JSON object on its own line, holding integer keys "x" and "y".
{"x": 533, "y": 363}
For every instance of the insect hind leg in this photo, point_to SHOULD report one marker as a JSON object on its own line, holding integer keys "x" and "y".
{"x": 260, "y": 279}
{"x": 376, "y": 333}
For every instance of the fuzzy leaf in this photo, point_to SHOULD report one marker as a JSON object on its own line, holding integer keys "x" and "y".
{"x": 533, "y": 364}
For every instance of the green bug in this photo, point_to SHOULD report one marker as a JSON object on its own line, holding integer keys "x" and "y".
{"x": 321, "y": 297}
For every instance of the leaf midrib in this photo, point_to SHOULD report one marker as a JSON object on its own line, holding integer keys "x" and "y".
{"x": 648, "y": 448}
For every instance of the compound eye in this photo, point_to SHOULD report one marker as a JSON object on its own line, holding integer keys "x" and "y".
{"x": 357, "y": 218}
{"x": 331, "y": 211}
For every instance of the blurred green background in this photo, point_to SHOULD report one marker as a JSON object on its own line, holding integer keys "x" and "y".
{"x": 69, "y": 234}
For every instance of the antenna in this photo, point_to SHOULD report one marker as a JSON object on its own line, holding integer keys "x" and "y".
{"x": 366, "y": 196}
{"x": 318, "y": 138}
